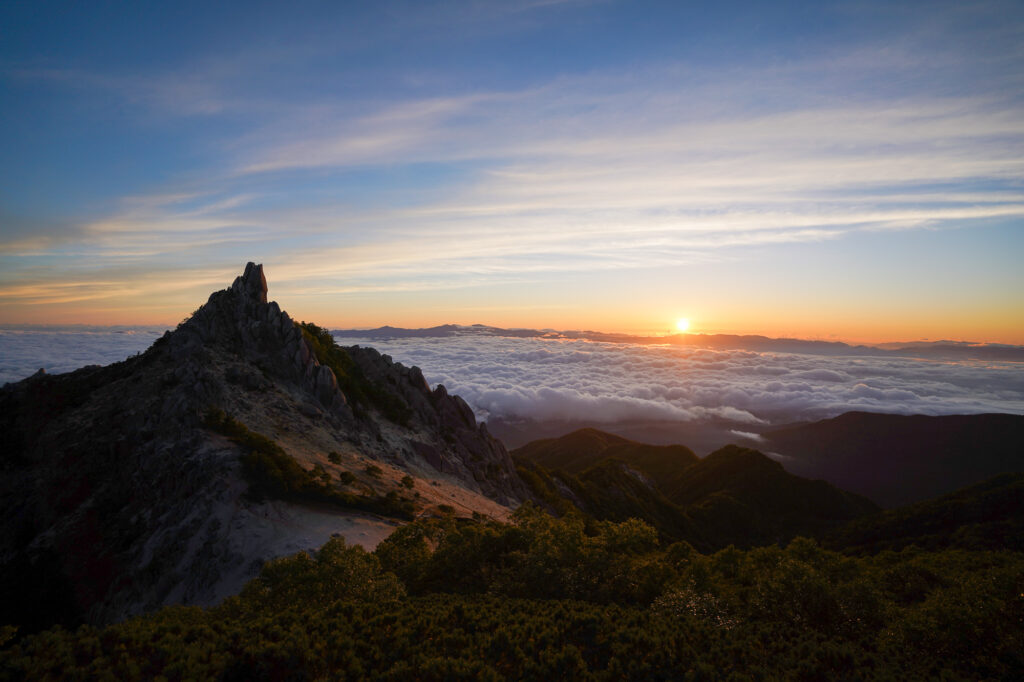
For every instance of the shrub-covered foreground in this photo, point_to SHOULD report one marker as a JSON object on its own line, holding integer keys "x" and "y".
{"x": 546, "y": 598}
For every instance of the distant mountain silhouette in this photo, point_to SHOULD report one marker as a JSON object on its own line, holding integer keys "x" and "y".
{"x": 733, "y": 496}
{"x": 951, "y": 350}
{"x": 896, "y": 459}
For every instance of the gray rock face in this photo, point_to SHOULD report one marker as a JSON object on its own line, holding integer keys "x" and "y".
{"x": 240, "y": 320}
{"x": 115, "y": 499}
{"x": 252, "y": 283}
{"x": 445, "y": 432}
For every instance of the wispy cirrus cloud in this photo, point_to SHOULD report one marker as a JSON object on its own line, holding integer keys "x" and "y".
{"x": 176, "y": 93}
{"x": 438, "y": 185}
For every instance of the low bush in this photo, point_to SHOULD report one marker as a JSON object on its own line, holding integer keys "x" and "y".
{"x": 544, "y": 598}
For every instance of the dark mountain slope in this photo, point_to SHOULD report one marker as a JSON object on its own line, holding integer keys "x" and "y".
{"x": 663, "y": 464}
{"x": 896, "y": 459}
{"x": 153, "y": 481}
{"x": 989, "y": 515}
{"x": 582, "y": 449}
{"x": 737, "y": 491}
{"x": 572, "y": 452}
{"x": 733, "y": 496}
{"x": 746, "y": 472}
{"x": 611, "y": 491}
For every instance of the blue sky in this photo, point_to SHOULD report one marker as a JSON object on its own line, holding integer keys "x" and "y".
{"x": 834, "y": 170}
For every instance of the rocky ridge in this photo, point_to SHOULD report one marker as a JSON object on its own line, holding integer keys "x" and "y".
{"x": 117, "y": 496}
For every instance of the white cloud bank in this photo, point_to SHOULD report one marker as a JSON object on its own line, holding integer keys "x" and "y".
{"x": 605, "y": 382}
{"x": 23, "y": 351}
{"x": 570, "y": 380}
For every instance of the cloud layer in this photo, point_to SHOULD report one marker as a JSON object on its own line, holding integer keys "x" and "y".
{"x": 566, "y": 380}
{"x": 604, "y": 382}
{"x": 23, "y": 351}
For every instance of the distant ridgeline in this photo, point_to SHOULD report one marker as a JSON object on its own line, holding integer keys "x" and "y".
{"x": 216, "y": 463}
{"x": 952, "y": 350}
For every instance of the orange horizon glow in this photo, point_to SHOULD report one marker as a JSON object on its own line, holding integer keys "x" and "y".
{"x": 650, "y": 308}
{"x": 977, "y": 328}
{"x": 869, "y": 200}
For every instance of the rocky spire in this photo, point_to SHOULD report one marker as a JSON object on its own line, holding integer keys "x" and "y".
{"x": 252, "y": 283}
{"x": 241, "y": 320}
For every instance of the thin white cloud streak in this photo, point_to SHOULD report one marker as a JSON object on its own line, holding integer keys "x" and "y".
{"x": 439, "y": 254}
{"x": 860, "y": 144}
{"x": 126, "y": 282}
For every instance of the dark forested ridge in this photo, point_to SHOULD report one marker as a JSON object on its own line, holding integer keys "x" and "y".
{"x": 989, "y": 515}
{"x": 580, "y": 450}
{"x": 733, "y": 496}
{"x": 896, "y": 459}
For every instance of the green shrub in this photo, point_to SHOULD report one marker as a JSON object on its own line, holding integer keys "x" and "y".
{"x": 336, "y": 572}
{"x": 444, "y": 599}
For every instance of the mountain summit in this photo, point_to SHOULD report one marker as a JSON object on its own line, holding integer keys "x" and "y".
{"x": 241, "y": 435}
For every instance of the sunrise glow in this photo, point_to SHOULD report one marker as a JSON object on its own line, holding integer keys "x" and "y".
{"x": 418, "y": 165}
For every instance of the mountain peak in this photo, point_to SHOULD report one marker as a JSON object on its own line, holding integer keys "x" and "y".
{"x": 252, "y": 282}
{"x": 239, "y": 436}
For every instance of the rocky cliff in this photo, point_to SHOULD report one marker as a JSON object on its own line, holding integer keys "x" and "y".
{"x": 124, "y": 488}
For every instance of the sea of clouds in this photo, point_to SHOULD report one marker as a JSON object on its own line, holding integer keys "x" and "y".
{"x": 26, "y": 350}
{"x": 577, "y": 380}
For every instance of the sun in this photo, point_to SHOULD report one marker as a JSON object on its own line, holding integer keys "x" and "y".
{"x": 682, "y": 324}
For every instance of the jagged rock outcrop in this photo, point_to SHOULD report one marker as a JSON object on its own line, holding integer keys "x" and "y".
{"x": 446, "y": 433}
{"x": 117, "y": 496}
{"x": 239, "y": 320}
